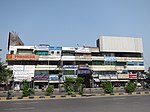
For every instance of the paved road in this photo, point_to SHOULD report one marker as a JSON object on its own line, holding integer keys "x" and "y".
{"x": 95, "y": 104}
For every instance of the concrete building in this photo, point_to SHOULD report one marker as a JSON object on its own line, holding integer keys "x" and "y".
{"x": 118, "y": 59}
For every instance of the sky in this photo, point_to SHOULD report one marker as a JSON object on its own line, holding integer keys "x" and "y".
{"x": 74, "y": 22}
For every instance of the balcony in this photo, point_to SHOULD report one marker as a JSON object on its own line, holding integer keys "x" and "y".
{"x": 103, "y": 68}
{"x": 130, "y": 59}
{"x": 48, "y": 57}
{"x": 46, "y": 67}
{"x": 83, "y": 58}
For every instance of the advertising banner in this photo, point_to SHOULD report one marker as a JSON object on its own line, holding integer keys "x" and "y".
{"x": 70, "y": 66}
{"x": 104, "y": 77}
{"x": 41, "y": 76}
{"x": 133, "y": 76}
{"x": 113, "y": 76}
{"x": 23, "y": 72}
{"x": 53, "y": 77}
{"x": 55, "y": 48}
{"x": 21, "y": 78}
{"x": 22, "y": 57}
{"x": 123, "y": 76}
{"x": 109, "y": 58}
{"x": 84, "y": 72}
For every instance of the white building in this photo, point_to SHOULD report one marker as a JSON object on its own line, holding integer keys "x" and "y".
{"x": 118, "y": 59}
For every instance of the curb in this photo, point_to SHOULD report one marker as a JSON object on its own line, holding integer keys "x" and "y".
{"x": 72, "y": 96}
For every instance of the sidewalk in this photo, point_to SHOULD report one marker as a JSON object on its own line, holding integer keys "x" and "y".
{"x": 72, "y": 96}
{"x": 39, "y": 92}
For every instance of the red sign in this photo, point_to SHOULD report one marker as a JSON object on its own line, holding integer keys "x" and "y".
{"x": 21, "y": 57}
{"x": 133, "y": 76}
{"x": 8, "y": 56}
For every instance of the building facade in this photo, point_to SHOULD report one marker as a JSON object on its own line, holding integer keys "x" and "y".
{"x": 118, "y": 59}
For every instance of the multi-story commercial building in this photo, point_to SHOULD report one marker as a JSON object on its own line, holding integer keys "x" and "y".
{"x": 118, "y": 59}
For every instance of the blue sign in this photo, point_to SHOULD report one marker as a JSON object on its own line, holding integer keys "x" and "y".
{"x": 70, "y": 66}
{"x": 110, "y": 58}
{"x": 53, "y": 77}
{"x": 55, "y": 48}
{"x": 84, "y": 72}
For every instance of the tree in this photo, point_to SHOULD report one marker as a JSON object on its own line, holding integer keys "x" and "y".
{"x": 4, "y": 73}
{"x": 49, "y": 91}
{"x": 130, "y": 87}
{"x": 27, "y": 91}
{"x": 79, "y": 85}
{"x": 72, "y": 85}
{"x": 107, "y": 86}
{"x": 69, "y": 85}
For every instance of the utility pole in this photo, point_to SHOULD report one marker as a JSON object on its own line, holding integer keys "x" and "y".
{"x": 60, "y": 71}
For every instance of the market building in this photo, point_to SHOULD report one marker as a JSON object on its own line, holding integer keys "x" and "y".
{"x": 118, "y": 59}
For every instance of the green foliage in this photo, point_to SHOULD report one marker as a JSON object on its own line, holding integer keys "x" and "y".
{"x": 82, "y": 86}
{"x": 130, "y": 87}
{"x": 72, "y": 85}
{"x": 5, "y": 73}
{"x": 68, "y": 85}
{"x": 9, "y": 93}
{"x": 79, "y": 85}
{"x": 49, "y": 91}
{"x": 107, "y": 86}
{"x": 27, "y": 91}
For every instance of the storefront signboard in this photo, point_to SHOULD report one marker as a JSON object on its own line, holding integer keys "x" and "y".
{"x": 123, "y": 76}
{"x": 133, "y": 76}
{"x": 22, "y": 57}
{"x": 55, "y": 48}
{"x": 41, "y": 76}
{"x": 23, "y": 72}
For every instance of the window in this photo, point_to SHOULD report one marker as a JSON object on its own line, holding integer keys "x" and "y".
{"x": 24, "y": 51}
{"x": 41, "y": 72}
{"x": 141, "y": 63}
{"x": 58, "y": 52}
{"x": 12, "y": 52}
{"x": 109, "y": 63}
{"x": 41, "y": 52}
{"x": 96, "y": 54}
{"x": 52, "y": 52}
{"x": 54, "y": 72}
{"x": 68, "y": 53}
{"x": 120, "y": 63}
{"x": 68, "y": 62}
{"x": 135, "y": 63}
{"x": 83, "y": 62}
{"x": 97, "y": 62}
{"x": 68, "y": 72}
{"x": 54, "y": 63}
